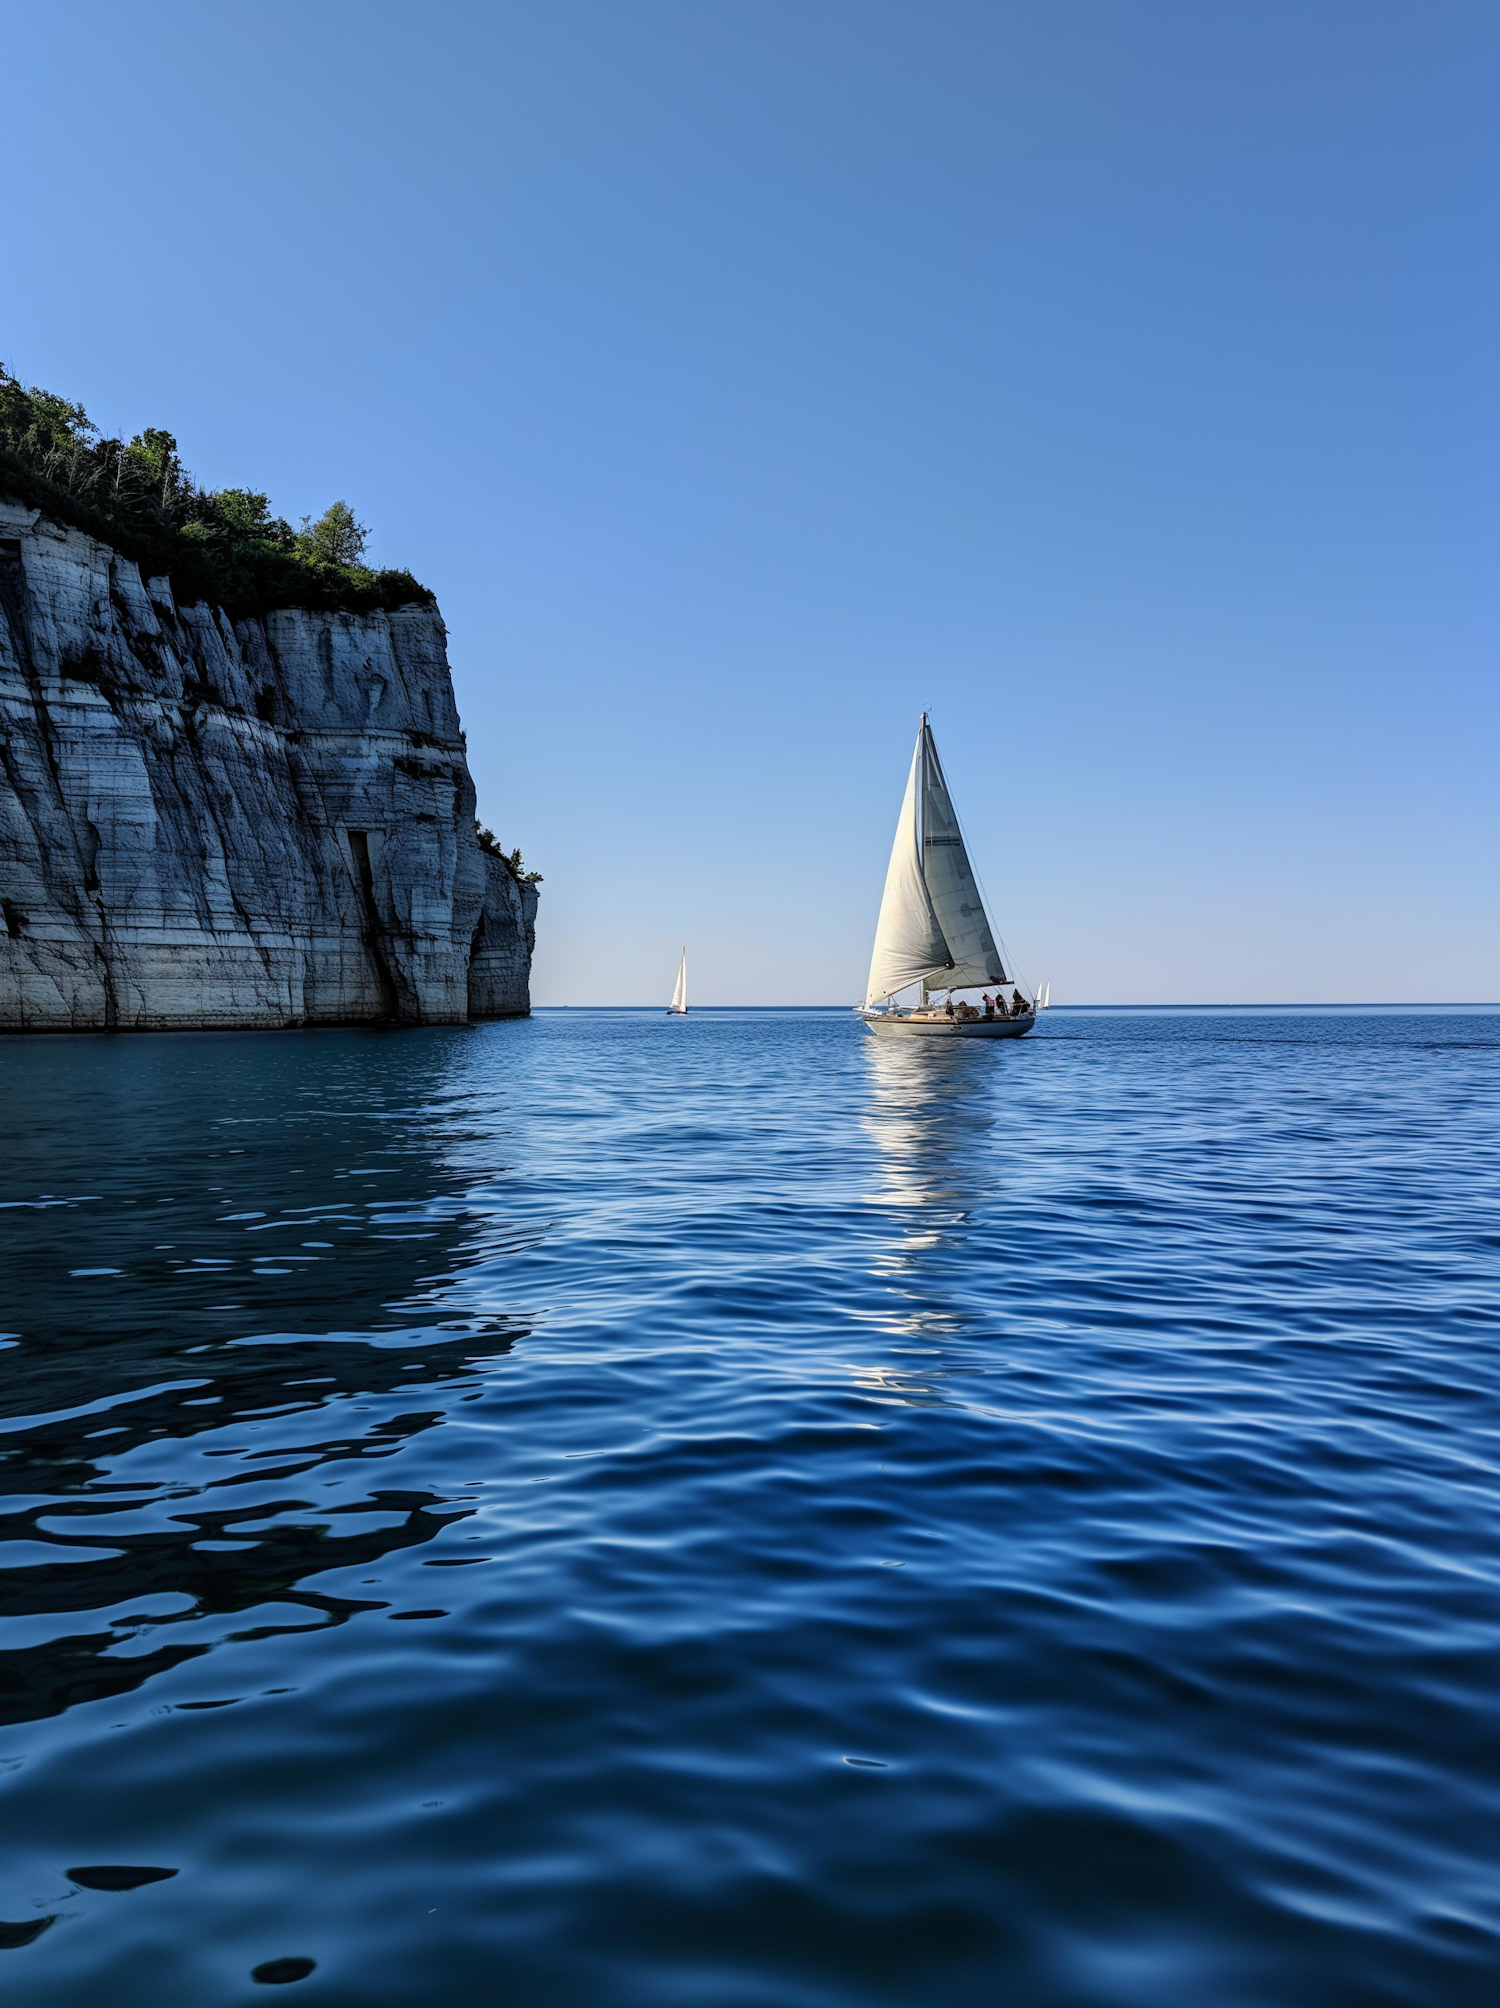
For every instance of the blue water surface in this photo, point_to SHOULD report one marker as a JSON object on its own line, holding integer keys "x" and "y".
{"x": 627, "y": 1512}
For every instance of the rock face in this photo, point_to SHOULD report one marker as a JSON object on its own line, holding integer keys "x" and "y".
{"x": 206, "y": 822}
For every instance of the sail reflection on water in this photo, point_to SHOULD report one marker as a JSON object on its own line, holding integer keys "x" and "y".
{"x": 928, "y": 1112}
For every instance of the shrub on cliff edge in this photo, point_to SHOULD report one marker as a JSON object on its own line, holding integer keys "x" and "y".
{"x": 512, "y": 860}
{"x": 223, "y": 546}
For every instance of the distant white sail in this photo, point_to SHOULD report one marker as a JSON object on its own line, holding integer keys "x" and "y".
{"x": 679, "y": 992}
{"x": 909, "y": 943}
{"x": 932, "y": 920}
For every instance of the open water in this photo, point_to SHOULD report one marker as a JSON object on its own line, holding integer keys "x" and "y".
{"x": 616, "y": 1512}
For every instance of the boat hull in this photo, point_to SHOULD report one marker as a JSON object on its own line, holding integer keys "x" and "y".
{"x": 948, "y": 1028}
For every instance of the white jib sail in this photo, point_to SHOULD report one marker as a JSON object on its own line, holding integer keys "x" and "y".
{"x": 909, "y": 943}
{"x": 679, "y": 990}
{"x": 951, "y": 885}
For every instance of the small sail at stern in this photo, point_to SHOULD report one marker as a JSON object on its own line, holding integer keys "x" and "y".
{"x": 932, "y": 926}
{"x": 678, "y": 1006}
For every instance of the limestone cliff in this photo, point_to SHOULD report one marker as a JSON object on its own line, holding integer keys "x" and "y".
{"x": 260, "y": 822}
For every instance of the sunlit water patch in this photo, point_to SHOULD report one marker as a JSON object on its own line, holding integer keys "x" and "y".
{"x": 610, "y": 1510}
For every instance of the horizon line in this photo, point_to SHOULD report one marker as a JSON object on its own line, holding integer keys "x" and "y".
{"x": 1374, "y": 1004}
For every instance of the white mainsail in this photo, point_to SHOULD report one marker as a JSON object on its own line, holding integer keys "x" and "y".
{"x": 932, "y": 919}
{"x": 679, "y": 990}
{"x": 909, "y": 943}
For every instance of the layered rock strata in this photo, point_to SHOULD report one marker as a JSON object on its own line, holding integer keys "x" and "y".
{"x": 260, "y": 822}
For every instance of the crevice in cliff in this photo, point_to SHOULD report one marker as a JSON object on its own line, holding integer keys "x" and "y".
{"x": 359, "y": 845}
{"x": 476, "y": 999}
{"x": 13, "y": 610}
{"x": 107, "y": 975}
{"x": 89, "y": 851}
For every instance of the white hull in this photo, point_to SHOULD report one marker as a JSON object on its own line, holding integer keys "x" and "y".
{"x": 944, "y": 1027}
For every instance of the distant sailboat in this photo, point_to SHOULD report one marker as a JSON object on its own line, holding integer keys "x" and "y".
{"x": 678, "y": 1006}
{"x": 933, "y": 930}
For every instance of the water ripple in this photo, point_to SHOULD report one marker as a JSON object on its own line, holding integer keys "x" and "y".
{"x": 913, "y": 1526}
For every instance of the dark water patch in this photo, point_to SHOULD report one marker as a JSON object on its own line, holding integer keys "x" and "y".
{"x": 117, "y": 1877}
{"x": 277, "y": 1972}
{"x": 14, "y": 1936}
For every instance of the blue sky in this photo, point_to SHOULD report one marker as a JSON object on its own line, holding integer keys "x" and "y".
{"x": 1117, "y": 380}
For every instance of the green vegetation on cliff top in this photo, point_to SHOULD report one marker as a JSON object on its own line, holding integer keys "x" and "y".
{"x": 223, "y": 546}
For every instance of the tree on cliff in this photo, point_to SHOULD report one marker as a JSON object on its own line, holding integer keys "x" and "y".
{"x": 512, "y": 860}
{"x": 337, "y": 538}
{"x": 247, "y": 513}
{"x": 151, "y": 457}
{"x": 220, "y": 545}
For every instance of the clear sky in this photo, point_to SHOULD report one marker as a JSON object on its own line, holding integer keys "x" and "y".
{"x": 1117, "y": 380}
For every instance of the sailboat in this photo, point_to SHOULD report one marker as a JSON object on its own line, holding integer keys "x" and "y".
{"x": 933, "y": 931}
{"x": 678, "y": 1006}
